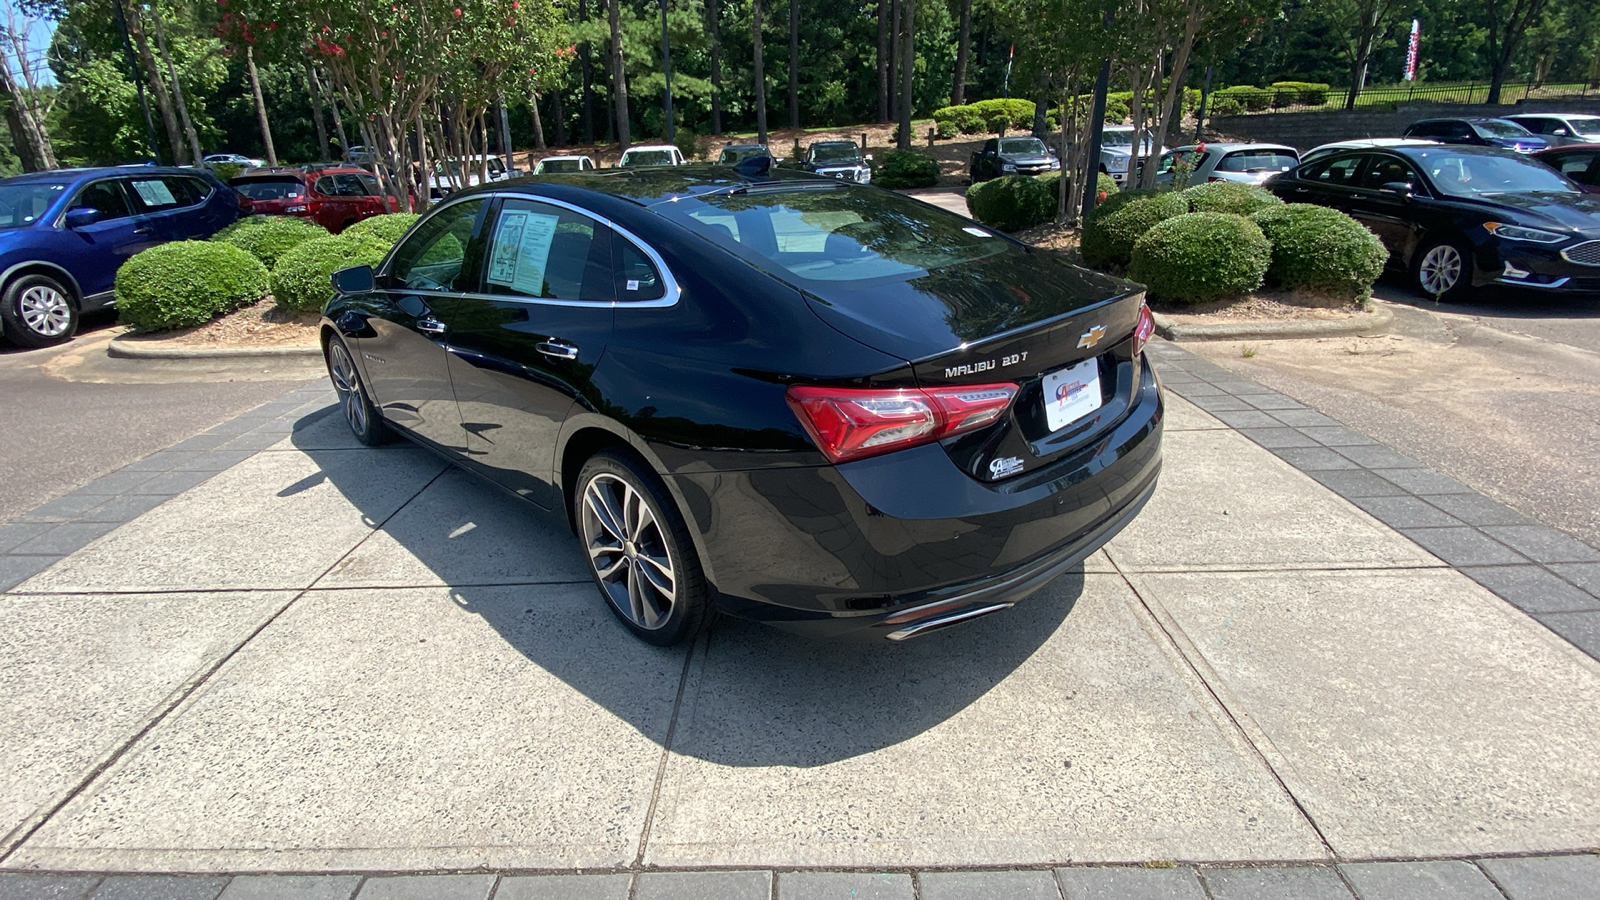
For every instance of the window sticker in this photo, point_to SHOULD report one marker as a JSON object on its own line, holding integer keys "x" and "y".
{"x": 155, "y": 193}
{"x": 522, "y": 251}
{"x": 633, "y": 284}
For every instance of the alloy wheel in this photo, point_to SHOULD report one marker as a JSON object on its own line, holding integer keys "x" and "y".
{"x": 348, "y": 385}
{"x": 1440, "y": 270}
{"x": 45, "y": 310}
{"x": 628, "y": 551}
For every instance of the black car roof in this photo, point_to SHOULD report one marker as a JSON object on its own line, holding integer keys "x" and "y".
{"x": 649, "y": 186}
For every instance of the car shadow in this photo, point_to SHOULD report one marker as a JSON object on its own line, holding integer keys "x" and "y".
{"x": 1493, "y": 300}
{"x": 752, "y": 695}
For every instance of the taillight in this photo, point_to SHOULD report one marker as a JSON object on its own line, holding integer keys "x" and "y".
{"x": 850, "y": 423}
{"x": 1210, "y": 178}
{"x": 1145, "y": 327}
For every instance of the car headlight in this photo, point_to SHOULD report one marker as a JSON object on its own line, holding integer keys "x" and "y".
{"x": 1008, "y": 167}
{"x": 1055, "y": 164}
{"x": 1523, "y": 233}
{"x": 1118, "y": 163}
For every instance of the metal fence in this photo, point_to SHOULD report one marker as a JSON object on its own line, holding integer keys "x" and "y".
{"x": 1245, "y": 101}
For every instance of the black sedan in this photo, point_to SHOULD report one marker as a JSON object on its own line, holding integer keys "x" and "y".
{"x": 1462, "y": 217}
{"x": 792, "y": 399}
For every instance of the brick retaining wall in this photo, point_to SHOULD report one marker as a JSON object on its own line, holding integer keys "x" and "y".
{"x": 1309, "y": 129}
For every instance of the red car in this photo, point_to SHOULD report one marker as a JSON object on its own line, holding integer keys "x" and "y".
{"x": 1580, "y": 162}
{"x": 334, "y": 198}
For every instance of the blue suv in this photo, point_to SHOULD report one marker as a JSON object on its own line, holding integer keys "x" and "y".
{"x": 63, "y": 234}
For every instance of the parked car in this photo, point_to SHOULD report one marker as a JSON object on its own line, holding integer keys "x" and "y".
{"x": 1244, "y": 163}
{"x": 333, "y": 197}
{"x": 1116, "y": 152}
{"x": 824, "y": 406}
{"x": 1026, "y": 155}
{"x": 1479, "y": 131}
{"x": 232, "y": 159}
{"x": 650, "y": 155}
{"x": 1579, "y": 163}
{"x": 838, "y": 159}
{"x": 63, "y": 234}
{"x": 1561, "y": 129}
{"x": 1460, "y": 217}
{"x": 454, "y": 174}
{"x": 1361, "y": 144}
{"x": 734, "y": 154}
{"x": 552, "y": 165}
{"x": 360, "y": 156}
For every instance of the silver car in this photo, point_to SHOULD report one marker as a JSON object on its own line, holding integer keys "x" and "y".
{"x": 1244, "y": 163}
{"x": 1561, "y": 129}
{"x": 1116, "y": 152}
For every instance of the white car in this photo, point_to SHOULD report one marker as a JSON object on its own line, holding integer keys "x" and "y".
{"x": 1244, "y": 163}
{"x": 1116, "y": 152}
{"x": 650, "y": 155}
{"x": 552, "y": 165}
{"x": 1362, "y": 144}
{"x": 456, "y": 174}
{"x": 1561, "y": 129}
{"x": 233, "y": 159}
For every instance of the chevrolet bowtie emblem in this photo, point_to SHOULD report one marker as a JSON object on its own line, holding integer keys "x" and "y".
{"x": 1091, "y": 337}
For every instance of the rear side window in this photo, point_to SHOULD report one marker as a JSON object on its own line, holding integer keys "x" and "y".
{"x": 1335, "y": 172}
{"x": 161, "y": 193}
{"x": 547, "y": 252}
{"x": 637, "y": 277}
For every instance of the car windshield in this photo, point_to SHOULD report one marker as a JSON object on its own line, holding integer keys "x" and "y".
{"x": 1585, "y": 124}
{"x": 647, "y": 158}
{"x": 835, "y": 235}
{"x": 269, "y": 188}
{"x": 561, "y": 165}
{"x": 1461, "y": 175}
{"x": 1500, "y": 129}
{"x": 1031, "y": 146}
{"x": 1257, "y": 161}
{"x": 835, "y": 153}
{"x": 1123, "y": 137}
{"x": 23, "y": 204}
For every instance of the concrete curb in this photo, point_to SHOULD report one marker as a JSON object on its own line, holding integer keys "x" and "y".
{"x": 1378, "y": 320}
{"x": 121, "y": 348}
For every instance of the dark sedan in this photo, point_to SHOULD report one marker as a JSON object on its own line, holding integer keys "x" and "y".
{"x": 1581, "y": 163}
{"x": 1462, "y": 217}
{"x": 1480, "y": 131}
{"x": 799, "y": 401}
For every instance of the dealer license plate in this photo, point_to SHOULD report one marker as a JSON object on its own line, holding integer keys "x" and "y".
{"x": 1071, "y": 393}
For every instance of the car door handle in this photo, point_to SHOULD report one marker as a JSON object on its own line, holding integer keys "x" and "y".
{"x": 558, "y": 349}
{"x": 430, "y": 325}
{"x": 1300, "y": 190}
{"x": 142, "y": 229}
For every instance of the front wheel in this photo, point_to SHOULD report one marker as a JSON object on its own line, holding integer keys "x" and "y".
{"x": 639, "y": 550}
{"x": 38, "y": 311}
{"x": 1443, "y": 270}
{"x": 359, "y": 413}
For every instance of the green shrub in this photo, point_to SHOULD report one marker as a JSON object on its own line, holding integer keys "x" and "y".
{"x": 1013, "y": 202}
{"x": 1203, "y": 256}
{"x": 1321, "y": 249}
{"x": 268, "y": 238}
{"x": 1111, "y": 230}
{"x": 388, "y": 227}
{"x": 187, "y": 283}
{"x": 1250, "y": 99}
{"x": 1304, "y": 92}
{"x": 1220, "y": 104}
{"x": 693, "y": 146}
{"x": 957, "y": 120}
{"x": 1228, "y": 197}
{"x": 906, "y": 169}
{"x": 1015, "y": 114}
{"x": 300, "y": 280}
{"x": 254, "y": 221}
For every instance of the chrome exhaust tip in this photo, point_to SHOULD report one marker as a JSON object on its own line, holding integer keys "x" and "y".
{"x": 931, "y": 625}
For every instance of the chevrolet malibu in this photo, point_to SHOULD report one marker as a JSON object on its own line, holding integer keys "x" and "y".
{"x": 800, "y": 401}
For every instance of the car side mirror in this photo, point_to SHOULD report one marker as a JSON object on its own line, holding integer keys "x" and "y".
{"x": 354, "y": 280}
{"x": 80, "y": 216}
{"x": 869, "y": 157}
{"x": 1560, "y": 132}
{"x": 1403, "y": 188}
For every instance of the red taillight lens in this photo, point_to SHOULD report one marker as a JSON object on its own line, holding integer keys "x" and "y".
{"x": 850, "y": 423}
{"x": 1211, "y": 178}
{"x": 1145, "y": 327}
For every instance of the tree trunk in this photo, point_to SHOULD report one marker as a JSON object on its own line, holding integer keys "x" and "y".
{"x": 958, "y": 90}
{"x": 538, "y": 126}
{"x": 759, "y": 76}
{"x": 31, "y": 141}
{"x": 714, "y": 27}
{"x": 177, "y": 87}
{"x": 895, "y": 47}
{"x": 338, "y": 120}
{"x": 261, "y": 104}
{"x": 316, "y": 115}
{"x": 559, "y": 113}
{"x": 794, "y": 65}
{"x": 619, "y": 74}
{"x": 586, "y": 67}
{"x": 883, "y": 60}
{"x": 908, "y": 65}
{"x": 158, "y": 85}
{"x": 421, "y": 194}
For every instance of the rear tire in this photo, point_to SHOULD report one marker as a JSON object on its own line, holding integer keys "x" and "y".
{"x": 639, "y": 550}
{"x": 1443, "y": 270}
{"x": 38, "y": 311}
{"x": 365, "y": 422}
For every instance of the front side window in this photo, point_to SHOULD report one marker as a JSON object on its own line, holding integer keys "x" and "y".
{"x": 547, "y": 252}
{"x": 1585, "y": 125}
{"x": 433, "y": 257}
{"x": 1500, "y": 129}
{"x": 107, "y": 197}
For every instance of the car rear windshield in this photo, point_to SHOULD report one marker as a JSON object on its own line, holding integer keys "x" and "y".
{"x": 1257, "y": 161}
{"x": 1464, "y": 175}
{"x": 835, "y": 153}
{"x": 23, "y": 204}
{"x": 835, "y": 235}
{"x": 275, "y": 188}
{"x": 648, "y": 158}
{"x": 561, "y": 165}
{"x": 1022, "y": 145}
{"x": 1500, "y": 129}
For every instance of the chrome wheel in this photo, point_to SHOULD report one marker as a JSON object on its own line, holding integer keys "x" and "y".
{"x": 348, "y": 385}
{"x": 628, "y": 551}
{"x": 1440, "y": 270}
{"x": 45, "y": 310}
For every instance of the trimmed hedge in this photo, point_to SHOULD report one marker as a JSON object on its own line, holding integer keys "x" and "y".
{"x": 1111, "y": 230}
{"x": 1203, "y": 256}
{"x": 1321, "y": 249}
{"x": 1228, "y": 197}
{"x": 1013, "y": 202}
{"x": 906, "y": 169}
{"x": 387, "y": 227}
{"x": 300, "y": 280}
{"x": 268, "y": 238}
{"x": 187, "y": 283}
